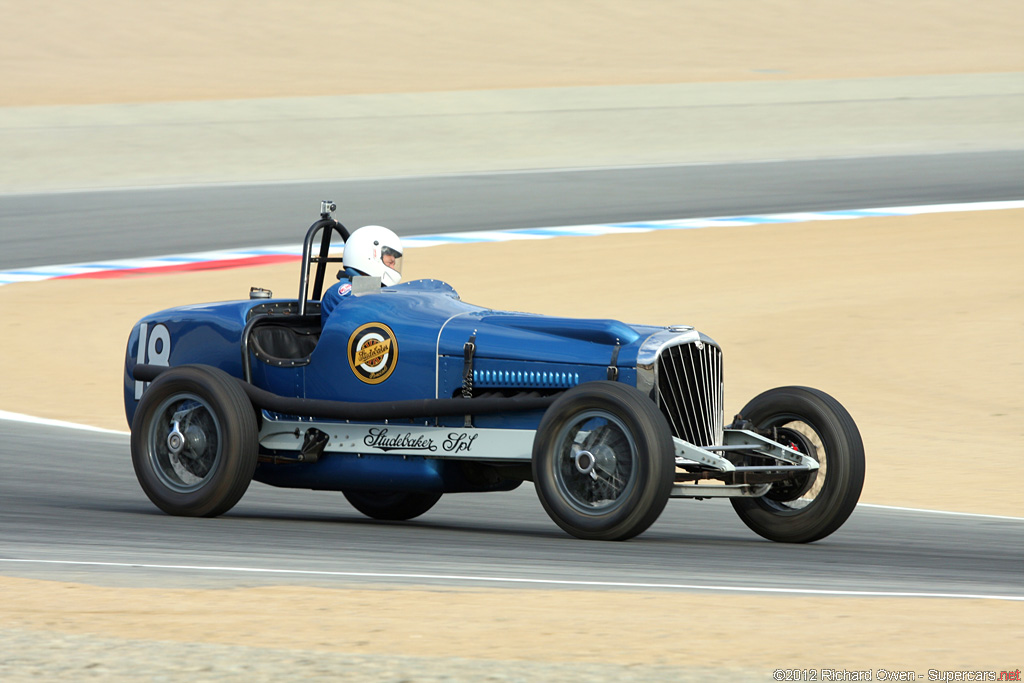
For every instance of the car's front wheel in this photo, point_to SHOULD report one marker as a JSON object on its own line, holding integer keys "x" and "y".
{"x": 194, "y": 441}
{"x": 807, "y": 507}
{"x": 603, "y": 461}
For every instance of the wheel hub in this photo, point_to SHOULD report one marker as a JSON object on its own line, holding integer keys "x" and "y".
{"x": 598, "y": 461}
{"x": 585, "y": 462}
{"x": 792, "y": 489}
{"x": 175, "y": 440}
{"x": 189, "y": 442}
{"x": 589, "y": 462}
{"x": 192, "y": 438}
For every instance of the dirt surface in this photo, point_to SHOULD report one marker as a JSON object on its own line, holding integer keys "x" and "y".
{"x": 913, "y": 323}
{"x": 62, "y": 52}
{"x": 526, "y": 626}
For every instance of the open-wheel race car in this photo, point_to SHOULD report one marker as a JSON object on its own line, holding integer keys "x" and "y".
{"x": 405, "y": 393}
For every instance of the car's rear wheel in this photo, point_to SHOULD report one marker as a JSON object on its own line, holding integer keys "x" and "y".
{"x": 807, "y": 507}
{"x": 391, "y": 505}
{"x": 194, "y": 441}
{"x": 603, "y": 461}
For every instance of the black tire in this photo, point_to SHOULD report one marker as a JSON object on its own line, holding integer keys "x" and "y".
{"x": 603, "y": 461}
{"x": 391, "y": 505}
{"x": 810, "y": 507}
{"x": 206, "y": 467}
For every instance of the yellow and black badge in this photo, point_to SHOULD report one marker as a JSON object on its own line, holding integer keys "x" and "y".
{"x": 373, "y": 352}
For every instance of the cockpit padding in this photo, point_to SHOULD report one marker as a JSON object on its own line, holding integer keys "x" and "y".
{"x": 285, "y": 341}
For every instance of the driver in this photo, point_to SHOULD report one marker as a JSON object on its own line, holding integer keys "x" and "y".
{"x": 371, "y": 250}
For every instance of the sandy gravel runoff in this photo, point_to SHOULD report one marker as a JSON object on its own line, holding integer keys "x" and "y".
{"x": 62, "y": 52}
{"x": 635, "y": 629}
{"x": 914, "y": 323}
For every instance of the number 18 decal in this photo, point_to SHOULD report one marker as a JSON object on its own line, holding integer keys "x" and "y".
{"x": 155, "y": 351}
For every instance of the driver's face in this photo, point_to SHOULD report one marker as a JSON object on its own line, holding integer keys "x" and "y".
{"x": 388, "y": 259}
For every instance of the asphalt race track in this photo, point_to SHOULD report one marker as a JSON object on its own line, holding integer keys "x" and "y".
{"x": 75, "y": 227}
{"x": 69, "y": 504}
{"x": 71, "y": 509}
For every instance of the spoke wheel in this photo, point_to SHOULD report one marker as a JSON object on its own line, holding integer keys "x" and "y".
{"x": 194, "y": 441}
{"x": 183, "y": 442}
{"x": 603, "y": 461}
{"x": 596, "y": 456}
{"x": 810, "y": 506}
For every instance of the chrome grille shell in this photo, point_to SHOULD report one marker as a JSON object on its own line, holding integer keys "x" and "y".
{"x": 681, "y": 370}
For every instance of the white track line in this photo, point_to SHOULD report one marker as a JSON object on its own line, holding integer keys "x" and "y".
{"x": 535, "y": 582}
{"x": 940, "y": 512}
{"x": 20, "y": 417}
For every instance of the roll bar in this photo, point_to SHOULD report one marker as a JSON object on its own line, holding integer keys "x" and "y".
{"x": 328, "y": 225}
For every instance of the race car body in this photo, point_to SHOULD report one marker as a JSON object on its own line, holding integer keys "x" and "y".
{"x": 405, "y": 393}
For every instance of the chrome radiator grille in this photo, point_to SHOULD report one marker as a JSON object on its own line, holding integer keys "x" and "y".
{"x": 689, "y": 392}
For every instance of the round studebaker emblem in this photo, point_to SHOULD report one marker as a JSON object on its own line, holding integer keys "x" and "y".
{"x": 373, "y": 352}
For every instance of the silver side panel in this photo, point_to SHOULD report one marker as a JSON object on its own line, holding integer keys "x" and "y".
{"x": 510, "y": 445}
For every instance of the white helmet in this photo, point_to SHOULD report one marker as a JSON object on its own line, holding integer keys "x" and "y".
{"x": 376, "y": 251}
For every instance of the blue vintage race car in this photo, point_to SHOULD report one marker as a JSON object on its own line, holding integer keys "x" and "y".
{"x": 407, "y": 393}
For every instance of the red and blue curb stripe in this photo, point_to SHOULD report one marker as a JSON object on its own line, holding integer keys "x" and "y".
{"x": 258, "y": 256}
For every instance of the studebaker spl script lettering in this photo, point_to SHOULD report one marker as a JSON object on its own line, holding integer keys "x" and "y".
{"x": 459, "y": 442}
{"x": 382, "y": 440}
